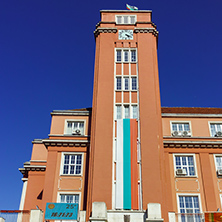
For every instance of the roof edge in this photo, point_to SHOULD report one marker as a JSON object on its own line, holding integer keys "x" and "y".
{"x": 125, "y": 11}
{"x": 191, "y": 110}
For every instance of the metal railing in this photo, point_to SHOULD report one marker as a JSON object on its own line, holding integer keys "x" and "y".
{"x": 189, "y": 217}
{"x": 15, "y": 215}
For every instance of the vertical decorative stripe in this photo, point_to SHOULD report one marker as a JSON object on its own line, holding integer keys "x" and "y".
{"x": 134, "y": 170}
{"x": 126, "y": 165}
{"x": 119, "y": 165}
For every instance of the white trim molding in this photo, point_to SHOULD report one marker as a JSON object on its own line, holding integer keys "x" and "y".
{"x": 185, "y": 155}
{"x": 62, "y": 163}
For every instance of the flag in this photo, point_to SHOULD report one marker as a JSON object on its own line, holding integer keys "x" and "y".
{"x": 126, "y": 165}
{"x": 132, "y": 8}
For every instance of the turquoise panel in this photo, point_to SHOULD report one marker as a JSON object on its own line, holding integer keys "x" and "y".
{"x": 61, "y": 211}
{"x": 126, "y": 165}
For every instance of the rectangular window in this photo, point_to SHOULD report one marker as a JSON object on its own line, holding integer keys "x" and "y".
{"x": 135, "y": 110}
{"x": 69, "y": 198}
{"x": 126, "y": 55}
{"x": 118, "y": 55}
{"x": 118, "y": 83}
{"x": 189, "y": 209}
{"x": 75, "y": 128}
{"x": 126, "y": 83}
{"x": 132, "y": 19}
{"x": 186, "y": 163}
{"x": 218, "y": 160}
{"x": 133, "y": 55}
{"x": 134, "y": 83}
{"x": 216, "y": 129}
{"x": 118, "y": 112}
{"x": 72, "y": 164}
{"x": 118, "y": 19}
{"x": 126, "y": 112}
{"x": 218, "y": 165}
{"x": 181, "y": 129}
{"x": 126, "y": 19}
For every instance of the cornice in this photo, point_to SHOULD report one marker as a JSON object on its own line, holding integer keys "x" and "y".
{"x": 39, "y": 141}
{"x": 70, "y": 143}
{"x": 102, "y": 22}
{"x": 28, "y": 168}
{"x": 136, "y": 30}
{"x": 189, "y": 138}
{"x": 153, "y": 24}
{"x": 70, "y": 113}
{"x": 191, "y": 144}
{"x": 68, "y": 135}
{"x": 104, "y": 30}
{"x": 146, "y": 30}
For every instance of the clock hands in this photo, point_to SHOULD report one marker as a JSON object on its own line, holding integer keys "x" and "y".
{"x": 126, "y": 34}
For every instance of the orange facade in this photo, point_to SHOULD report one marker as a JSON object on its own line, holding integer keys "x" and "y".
{"x": 175, "y": 153}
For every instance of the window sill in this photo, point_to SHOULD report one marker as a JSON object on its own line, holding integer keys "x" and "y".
{"x": 120, "y": 24}
{"x": 178, "y": 176}
{"x": 123, "y": 90}
{"x": 76, "y": 135}
{"x": 70, "y": 175}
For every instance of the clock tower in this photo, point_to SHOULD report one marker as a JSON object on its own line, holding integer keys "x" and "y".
{"x": 126, "y": 153}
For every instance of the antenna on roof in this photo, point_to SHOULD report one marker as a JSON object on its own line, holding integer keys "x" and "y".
{"x": 131, "y": 8}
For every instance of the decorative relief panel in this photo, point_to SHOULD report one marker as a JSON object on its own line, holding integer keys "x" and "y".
{"x": 187, "y": 185}
{"x": 74, "y": 184}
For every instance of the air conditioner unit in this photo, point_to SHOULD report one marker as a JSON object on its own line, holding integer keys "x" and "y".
{"x": 175, "y": 133}
{"x": 76, "y": 132}
{"x": 181, "y": 172}
{"x": 219, "y": 172}
{"x": 218, "y": 134}
{"x": 186, "y": 133}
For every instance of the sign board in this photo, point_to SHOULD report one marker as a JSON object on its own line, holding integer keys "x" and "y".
{"x": 61, "y": 211}
{"x": 213, "y": 217}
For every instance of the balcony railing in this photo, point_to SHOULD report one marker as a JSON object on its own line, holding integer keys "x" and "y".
{"x": 189, "y": 217}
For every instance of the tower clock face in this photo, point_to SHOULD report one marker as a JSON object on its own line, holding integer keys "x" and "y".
{"x": 126, "y": 34}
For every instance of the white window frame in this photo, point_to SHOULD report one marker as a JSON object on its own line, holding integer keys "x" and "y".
{"x": 188, "y": 194}
{"x": 131, "y": 83}
{"x": 75, "y": 120}
{"x": 121, "y": 114}
{"x": 129, "y": 55}
{"x": 185, "y": 154}
{"x": 119, "y": 77}
{"x": 123, "y": 110}
{"x": 213, "y": 122}
{"x": 121, "y": 53}
{"x": 215, "y": 162}
{"x": 221, "y": 200}
{"x": 180, "y": 122}
{"x": 137, "y": 114}
{"x": 124, "y": 83}
{"x": 122, "y": 19}
{"x": 62, "y": 163}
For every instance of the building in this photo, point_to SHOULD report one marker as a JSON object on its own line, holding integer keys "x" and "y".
{"x": 127, "y": 154}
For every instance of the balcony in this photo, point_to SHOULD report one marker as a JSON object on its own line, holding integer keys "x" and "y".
{"x": 189, "y": 217}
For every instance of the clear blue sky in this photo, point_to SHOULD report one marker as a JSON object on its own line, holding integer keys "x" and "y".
{"x": 47, "y": 52}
